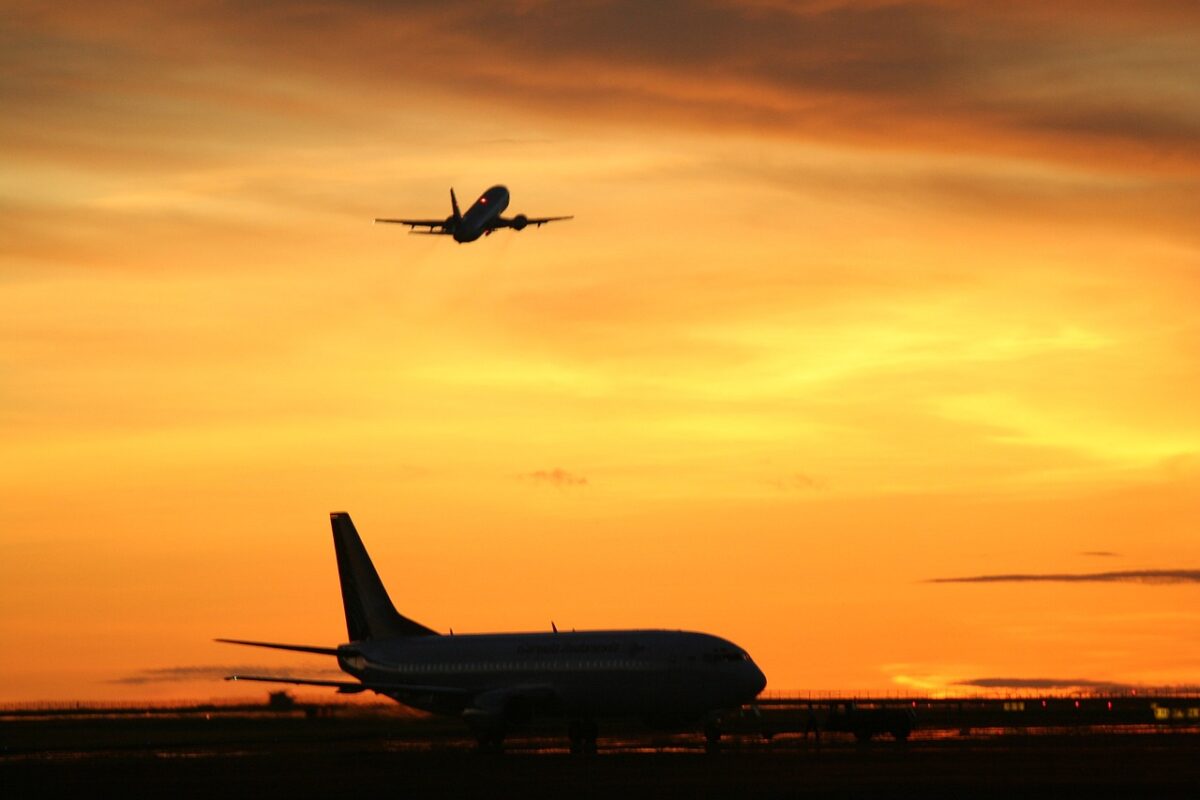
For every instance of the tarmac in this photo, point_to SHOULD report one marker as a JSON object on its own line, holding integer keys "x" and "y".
{"x": 296, "y": 756}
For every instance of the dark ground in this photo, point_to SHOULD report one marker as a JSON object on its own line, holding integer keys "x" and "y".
{"x": 373, "y": 756}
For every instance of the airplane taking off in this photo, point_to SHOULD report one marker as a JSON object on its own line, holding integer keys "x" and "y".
{"x": 481, "y": 218}
{"x": 669, "y": 679}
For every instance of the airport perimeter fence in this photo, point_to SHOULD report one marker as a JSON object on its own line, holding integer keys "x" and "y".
{"x": 774, "y": 697}
{"x": 966, "y": 694}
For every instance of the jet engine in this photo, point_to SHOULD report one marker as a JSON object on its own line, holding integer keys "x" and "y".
{"x": 519, "y": 222}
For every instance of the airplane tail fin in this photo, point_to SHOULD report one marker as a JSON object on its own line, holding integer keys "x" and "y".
{"x": 369, "y": 611}
{"x": 454, "y": 205}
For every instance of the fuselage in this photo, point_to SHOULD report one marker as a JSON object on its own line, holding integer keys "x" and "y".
{"x": 479, "y": 218}
{"x": 654, "y": 674}
{"x": 668, "y": 679}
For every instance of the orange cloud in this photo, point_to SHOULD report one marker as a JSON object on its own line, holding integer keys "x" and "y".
{"x": 556, "y": 477}
{"x": 935, "y": 260}
{"x": 1101, "y": 89}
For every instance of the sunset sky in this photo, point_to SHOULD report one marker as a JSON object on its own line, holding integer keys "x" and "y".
{"x": 858, "y": 297}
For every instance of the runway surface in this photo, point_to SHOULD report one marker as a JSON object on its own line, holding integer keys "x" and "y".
{"x": 297, "y": 757}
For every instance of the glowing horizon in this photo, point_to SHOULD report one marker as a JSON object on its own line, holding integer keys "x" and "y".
{"x": 857, "y": 296}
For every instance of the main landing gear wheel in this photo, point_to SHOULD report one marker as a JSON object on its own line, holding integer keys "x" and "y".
{"x": 490, "y": 742}
{"x": 712, "y": 739}
{"x": 582, "y": 733}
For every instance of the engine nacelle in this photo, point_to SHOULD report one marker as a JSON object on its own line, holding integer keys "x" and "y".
{"x": 519, "y": 222}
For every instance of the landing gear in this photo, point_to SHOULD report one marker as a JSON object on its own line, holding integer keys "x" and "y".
{"x": 582, "y": 733}
{"x": 489, "y": 741}
{"x": 712, "y": 739}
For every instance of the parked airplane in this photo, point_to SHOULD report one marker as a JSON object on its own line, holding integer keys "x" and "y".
{"x": 669, "y": 679}
{"x": 481, "y": 218}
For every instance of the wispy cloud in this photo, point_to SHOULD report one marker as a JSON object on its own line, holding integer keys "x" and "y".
{"x": 915, "y": 74}
{"x": 1149, "y": 576}
{"x": 557, "y": 477}
{"x": 1100, "y": 553}
{"x": 205, "y": 672}
{"x": 797, "y": 482}
{"x": 1043, "y": 683}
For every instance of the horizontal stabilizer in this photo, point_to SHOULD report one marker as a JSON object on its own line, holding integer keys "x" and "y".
{"x": 350, "y": 687}
{"x": 345, "y": 687}
{"x": 299, "y": 648}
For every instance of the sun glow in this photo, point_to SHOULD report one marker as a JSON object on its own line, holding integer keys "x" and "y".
{"x": 824, "y": 327}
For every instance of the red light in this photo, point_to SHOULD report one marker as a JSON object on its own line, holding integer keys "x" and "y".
{"x": 1110, "y": 705}
{"x": 483, "y": 201}
{"x": 1077, "y": 704}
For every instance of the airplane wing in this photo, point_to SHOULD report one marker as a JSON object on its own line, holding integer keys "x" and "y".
{"x": 501, "y": 701}
{"x": 343, "y": 687}
{"x": 352, "y": 687}
{"x": 540, "y": 221}
{"x": 416, "y": 223}
{"x": 520, "y": 222}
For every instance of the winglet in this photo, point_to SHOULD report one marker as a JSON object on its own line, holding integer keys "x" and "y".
{"x": 454, "y": 205}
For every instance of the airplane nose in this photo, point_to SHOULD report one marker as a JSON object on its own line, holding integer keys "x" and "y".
{"x": 755, "y": 680}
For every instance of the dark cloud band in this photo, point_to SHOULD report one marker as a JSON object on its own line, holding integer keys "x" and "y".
{"x": 1044, "y": 684}
{"x": 1151, "y": 576}
{"x": 909, "y": 74}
